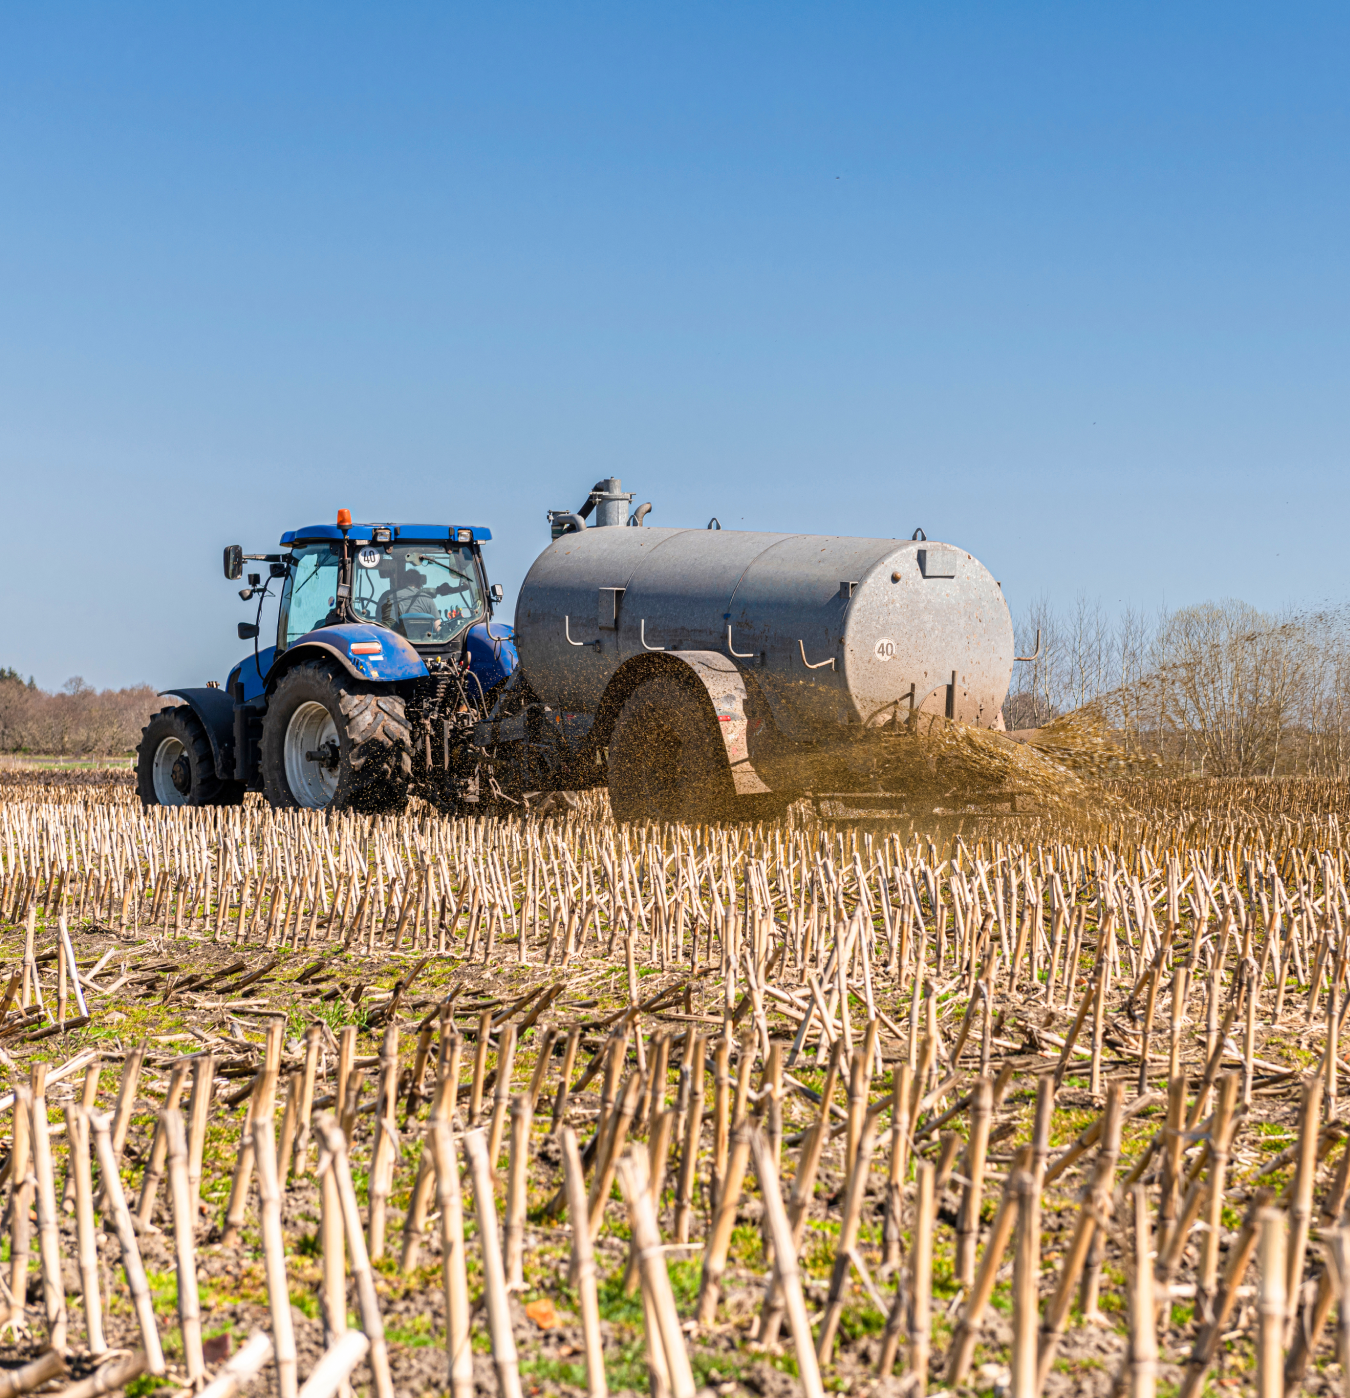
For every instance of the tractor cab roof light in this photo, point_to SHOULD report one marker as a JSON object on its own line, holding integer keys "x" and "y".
{"x": 344, "y": 519}
{"x": 382, "y": 534}
{"x": 464, "y": 536}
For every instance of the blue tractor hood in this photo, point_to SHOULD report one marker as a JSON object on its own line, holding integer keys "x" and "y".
{"x": 492, "y": 652}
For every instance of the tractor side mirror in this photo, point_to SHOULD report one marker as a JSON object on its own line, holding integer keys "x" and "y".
{"x": 497, "y": 593}
{"x": 247, "y": 631}
{"x": 234, "y": 562}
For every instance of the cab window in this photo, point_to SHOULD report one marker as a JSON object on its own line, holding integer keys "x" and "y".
{"x": 310, "y": 592}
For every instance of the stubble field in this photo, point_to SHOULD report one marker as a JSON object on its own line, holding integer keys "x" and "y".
{"x": 993, "y": 1103}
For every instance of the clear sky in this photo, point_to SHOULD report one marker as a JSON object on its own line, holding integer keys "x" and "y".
{"x": 1065, "y": 284}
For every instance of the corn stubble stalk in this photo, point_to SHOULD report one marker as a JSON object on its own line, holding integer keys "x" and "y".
{"x": 719, "y": 1234}
{"x": 274, "y": 1255}
{"x": 126, "y": 1237}
{"x": 115, "y": 1374}
{"x": 49, "y": 1237}
{"x": 180, "y": 1191}
{"x": 77, "y": 1134}
{"x": 1272, "y": 1306}
{"x": 334, "y": 1291}
{"x": 454, "y": 1273}
{"x": 240, "y": 1368}
{"x": 32, "y": 1375}
{"x": 1095, "y": 1205}
{"x": 22, "y": 1185}
{"x": 1026, "y": 1270}
{"x": 335, "y": 1366}
{"x": 583, "y": 1264}
{"x": 516, "y": 1194}
{"x": 787, "y": 1278}
{"x": 1143, "y": 1356}
{"x": 665, "y": 1342}
{"x": 335, "y": 1143}
{"x": 962, "y": 1349}
{"x": 504, "y": 1357}
{"x": 848, "y": 1239}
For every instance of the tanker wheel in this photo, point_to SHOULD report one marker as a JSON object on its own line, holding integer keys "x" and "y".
{"x": 329, "y": 741}
{"x": 174, "y": 765}
{"x": 666, "y": 757}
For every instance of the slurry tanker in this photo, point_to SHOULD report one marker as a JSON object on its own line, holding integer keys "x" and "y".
{"x": 715, "y": 672}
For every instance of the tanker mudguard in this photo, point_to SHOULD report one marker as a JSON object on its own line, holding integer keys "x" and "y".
{"x": 726, "y": 689}
{"x": 215, "y": 709}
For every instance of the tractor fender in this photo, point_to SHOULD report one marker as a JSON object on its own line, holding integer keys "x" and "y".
{"x": 396, "y": 659}
{"x": 310, "y": 650}
{"x": 215, "y": 709}
{"x": 725, "y": 687}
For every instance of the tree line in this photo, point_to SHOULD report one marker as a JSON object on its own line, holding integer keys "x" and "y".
{"x": 1220, "y": 689}
{"x": 79, "y": 720}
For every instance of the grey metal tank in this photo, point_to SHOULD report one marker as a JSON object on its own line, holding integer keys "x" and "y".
{"x": 834, "y": 631}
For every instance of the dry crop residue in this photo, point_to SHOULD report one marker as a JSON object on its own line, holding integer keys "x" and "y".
{"x": 703, "y": 988}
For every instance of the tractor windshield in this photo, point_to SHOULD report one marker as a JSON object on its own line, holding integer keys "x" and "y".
{"x": 428, "y": 593}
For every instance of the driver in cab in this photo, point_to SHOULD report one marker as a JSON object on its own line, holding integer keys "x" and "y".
{"x": 413, "y": 600}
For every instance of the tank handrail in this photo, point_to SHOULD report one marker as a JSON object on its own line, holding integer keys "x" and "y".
{"x": 739, "y": 654}
{"x": 642, "y": 636}
{"x": 819, "y": 665}
{"x": 567, "y": 631}
{"x": 1035, "y": 655}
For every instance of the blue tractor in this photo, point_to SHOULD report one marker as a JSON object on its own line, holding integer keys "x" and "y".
{"x": 386, "y": 657}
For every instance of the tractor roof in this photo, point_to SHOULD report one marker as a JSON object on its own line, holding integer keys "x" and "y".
{"x": 403, "y": 533}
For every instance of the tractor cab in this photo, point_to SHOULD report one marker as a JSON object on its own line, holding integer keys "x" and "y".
{"x": 425, "y": 582}
{"x": 384, "y": 657}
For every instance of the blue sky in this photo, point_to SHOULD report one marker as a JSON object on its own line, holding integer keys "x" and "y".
{"x": 1065, "y": 284}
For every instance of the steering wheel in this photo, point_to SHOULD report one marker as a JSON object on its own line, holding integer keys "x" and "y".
{"x": 364, "y": 607}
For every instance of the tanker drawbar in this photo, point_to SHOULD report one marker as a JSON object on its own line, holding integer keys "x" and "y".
{"x": 710, "y": 673}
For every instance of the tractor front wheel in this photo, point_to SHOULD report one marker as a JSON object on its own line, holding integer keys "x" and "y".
{"x": 329, "y": 741}
{"x": 174, "y": 765}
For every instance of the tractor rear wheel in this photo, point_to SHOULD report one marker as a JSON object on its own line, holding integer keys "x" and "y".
{"x": 330, "y": 741}
{"x": 666, "y": 757}
{"x": 174, "y": 764}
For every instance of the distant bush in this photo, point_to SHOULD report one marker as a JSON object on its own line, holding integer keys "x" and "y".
{"x": 80, "y": 720}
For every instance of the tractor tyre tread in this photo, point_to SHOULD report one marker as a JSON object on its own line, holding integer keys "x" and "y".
{"x": 374, "y": 737}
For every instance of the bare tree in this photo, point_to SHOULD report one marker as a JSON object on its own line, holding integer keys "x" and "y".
{"x": 1219, "y": 689}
